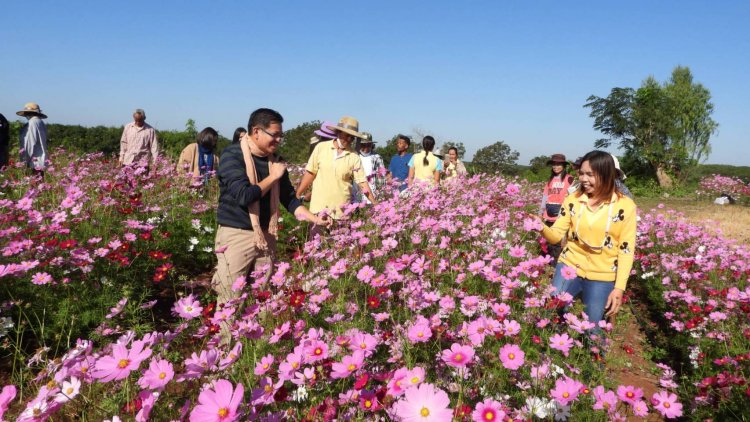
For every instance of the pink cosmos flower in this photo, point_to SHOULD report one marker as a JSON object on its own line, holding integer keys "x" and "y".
{"x": 532, "y": 224}
{"x": 511, "y": 356}
{"x": 187, "y": 307}
{"x": 158, "y": 375}
{"x": 568, "y": 272}
{"x": 424, "y": 403}
{"x": 264, "y": 365}
{"x": 264, "y": 394}
{"x": 316, "y": 351}
{"x": 517, "y": 251}
{"x": 41, "y": 278}
{"x": 566, "y": 390}
{"x": 239, "y": 283}
{"x": 347, "y": 366}
{"x": 363, "y": 342}
{"x": 458, "y": 356}
{"x": 511, "y": 327}
{"x": 666, "y": 403}
{"x": 122, "y": 361}
{"x": 629, "y": 394}
{"x": 605, "y": 399}
{"x": 488, "y": 410}
{"x": 6, "y": 396}
{"x": 512, "y": 188}
{"x": 561, "y": 342}
{"x": 419, "y": 332}
{"x": 218, "y": 404}
{"x": 366, "y": 274}
{"x": 148, "y": 398}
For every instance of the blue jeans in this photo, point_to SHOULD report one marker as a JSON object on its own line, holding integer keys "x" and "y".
{"x": 595, "y": 293}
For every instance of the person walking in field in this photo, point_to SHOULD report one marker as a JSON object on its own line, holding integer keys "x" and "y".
{"x": 372, "y": 164}
{"x": 253, "y": 184}
{"x": 332, "y": 168}
{"x": 425, "y": 166}
{"x": 139, "y": 142}
{"x": 399, "y": 166}
{"x": 555, "y": 192}
{"x": 33, "y": 138}
{"x": 199, "y": 158}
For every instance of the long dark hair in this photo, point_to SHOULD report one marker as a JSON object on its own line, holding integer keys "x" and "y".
{"x": 603, "y": 166}
{"x": 428, "y": 143}
{"x": 238, "y": 134}
{"x": 563, "y": 173}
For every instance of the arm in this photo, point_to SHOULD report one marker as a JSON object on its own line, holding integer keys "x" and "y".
{"x": 365, "y": 188}
{"x": 307, "y": 180}
{"x": 438, "y": 170}
{"x": 154, "y": 146}
{"x": 625, "y": 254}
{"x": 558, "y": 230}
{"x": 411, "y": 175}
{"x": 123, "y": 143}
{"x": 358, "y": 177}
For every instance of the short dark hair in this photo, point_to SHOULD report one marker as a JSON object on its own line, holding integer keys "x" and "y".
{"x": 603, "y": 167}
{"x": 404, "y": 137}
{"x": 208, "y": 138}
{"x": 428, "y": 143}
{"x": 238, "y": 134}
{"x": 264, "y": 117}
{"x": 453, "y": 149}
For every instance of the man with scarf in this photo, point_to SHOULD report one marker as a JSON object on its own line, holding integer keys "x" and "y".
{"x": 252, "y": 185}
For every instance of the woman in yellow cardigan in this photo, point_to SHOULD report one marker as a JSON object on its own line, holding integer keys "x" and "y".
{"x": 600, "y": 224}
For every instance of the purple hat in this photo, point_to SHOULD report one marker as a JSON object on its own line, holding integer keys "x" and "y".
{"x": 324, "y": 132}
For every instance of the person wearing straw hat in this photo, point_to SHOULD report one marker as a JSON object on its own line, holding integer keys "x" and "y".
{"x": 33, "y": 138}
{"x": 332, "y": 168}
{"x": 373, "y": 166}
{"x": 4, "y": 140}
{"x": 322, "y": 134}
{"x": 139, "y": 142}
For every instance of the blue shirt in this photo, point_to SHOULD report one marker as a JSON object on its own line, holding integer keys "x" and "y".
{"x": 399, "y": 166}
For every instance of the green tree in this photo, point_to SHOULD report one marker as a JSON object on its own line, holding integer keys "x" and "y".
{"x": 296, "y": 146}
{"x": 497, "y": 157}
{"x": 538, "y": 164}
{"x": 666, "y": 127}
{"x": 458, "y": 145}
{"x": 388, "y": 150}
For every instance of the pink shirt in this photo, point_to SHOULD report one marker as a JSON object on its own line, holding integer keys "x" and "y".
{"x": 138, "y": 143}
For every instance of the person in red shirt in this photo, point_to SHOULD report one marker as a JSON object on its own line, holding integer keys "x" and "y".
{"x": 555, "y": 192}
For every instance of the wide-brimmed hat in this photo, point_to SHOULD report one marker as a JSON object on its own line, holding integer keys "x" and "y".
{"x": 32, "y": 108}
{"x": 314, "y": 140}
{"x": 577, "y": 163}
{"x": 620, "y": 173}
{"x": 324, "y": 132}
{"x": 348, "y": 125}
{"x": 557, "y": 158}
{"x": 366, "y": 139}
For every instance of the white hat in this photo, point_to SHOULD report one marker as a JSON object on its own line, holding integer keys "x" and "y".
{"x": 620, "y": 173}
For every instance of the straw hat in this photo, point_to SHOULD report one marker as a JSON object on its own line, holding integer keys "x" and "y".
{"x": 32, "y": 108}
{"x": 366, "y": 139}
{"x": 348, "y": 125}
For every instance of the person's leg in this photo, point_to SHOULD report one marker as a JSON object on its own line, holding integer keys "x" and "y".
{"x": 595, "y": 294}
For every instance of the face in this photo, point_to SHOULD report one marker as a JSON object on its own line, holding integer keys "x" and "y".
{"x": 366, "y": 148}
{"x": 557, "y": 168}
{"x": 345, "y": 138}
{"x": 401, "y": 145}
{"x": 589, "y": 180}
{"x": 138, "y": 119}
{"x": 268, "y": 139}
{"x": 453, "y": 155}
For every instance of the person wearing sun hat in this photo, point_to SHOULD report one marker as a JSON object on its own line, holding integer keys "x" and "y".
{"x": 553, "y": 196}
{"x": 372, "y": 164}
{"x": 33, "y": 138}
{"x": 332, "y": 168}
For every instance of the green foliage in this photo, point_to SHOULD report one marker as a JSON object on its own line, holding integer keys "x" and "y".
{"x": 296, "y": 146}
{"x": 458, "y": 145}
{"x": 388, "y": 150}
{"x": 497, "y": 157}
{"x": 665, "y": 127}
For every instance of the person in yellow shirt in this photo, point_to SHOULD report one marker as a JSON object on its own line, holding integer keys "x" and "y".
{"x": 425, "y": 165}
{"x": 600, "y": 223}
{"x": 331, "y": 169}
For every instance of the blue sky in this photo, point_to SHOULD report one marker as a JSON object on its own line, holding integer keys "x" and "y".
{"x": 471, "y": 71}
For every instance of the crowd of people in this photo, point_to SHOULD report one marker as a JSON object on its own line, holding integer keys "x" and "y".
{"x": 587, "y": 214}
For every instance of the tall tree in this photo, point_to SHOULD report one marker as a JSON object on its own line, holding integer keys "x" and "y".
{"x": 497, "y": 157}
{"x": 666, "y": 126}
{"x": 458, "y": 145}
{"x": 539, "y": 165}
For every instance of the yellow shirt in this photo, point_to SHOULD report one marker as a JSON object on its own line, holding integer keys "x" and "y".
{"x": 333, "y": 177}
{"x": 594, "y": 255}
{"x": 425, "y": 172}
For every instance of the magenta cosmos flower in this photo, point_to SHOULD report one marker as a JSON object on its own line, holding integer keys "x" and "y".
{"x": 347, "y": 366}
{"x": 419, "y": 332}
{"x": 561, "y": 342}
{"x": 511, "y": 356}
{"x": 122, "y": 361}
{"x": 629, "y": 394}
{"x": 158, "y": 375}
{"x": 566, "y": 390}
{"x": 568, "y": 272}
{"x": 187, "y": 307}
{"x": 458, "y": 356}
{"x": 666, "y": 403}
{"x": 424, "y": 403}
{"x": 488, "y": 410}
{"x": 218, "y": 404}
{"x": 6, "y": 396}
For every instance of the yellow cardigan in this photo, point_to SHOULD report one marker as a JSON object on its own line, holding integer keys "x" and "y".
{"x": 585, "y": 230}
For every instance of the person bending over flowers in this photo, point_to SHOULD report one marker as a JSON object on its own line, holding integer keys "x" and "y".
{"x": 600, "y": 223}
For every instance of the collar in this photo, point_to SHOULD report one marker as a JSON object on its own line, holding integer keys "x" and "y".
{"x": 585, "y": 198}
{"x": 334, "y": 148}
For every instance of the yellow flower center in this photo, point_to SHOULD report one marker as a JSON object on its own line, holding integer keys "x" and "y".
{"x": 52, "y": 384}
{"x": 37, "y": 411}
{"x": 489, "y": 415}
{"x": 123, "y": 363}
{"x": 189, "y": 308}
{"x": 84, "y": 369}
{"x": 458, "y": 358}
{"x": 425, "y": 412}
{"x": 667, "y": 405}
{"x": 69, "y": 391}
{"x": 511, "y": 356}
{"x": 318, "y": 351}
{"x": 368, "y": 404}
{"x": 566, "y": 394}
{"x": 267, "y": 388}
{"x": 162, "y": 375}
{"x": 630, "y": 394}
{"x": 295, "y": 365}
{"x": 223, "y": 412}
{"x": 351, "y": 367}
{"x": 420, "y": 334}
{"x": 414, "y": 380}
{"x": 363, "y": 346}
{"x": 265, "y": 366}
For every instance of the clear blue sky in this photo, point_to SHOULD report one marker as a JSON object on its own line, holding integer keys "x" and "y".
{"x": 471, "y": 71}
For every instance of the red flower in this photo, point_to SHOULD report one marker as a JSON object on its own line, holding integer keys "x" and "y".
{"x": 373, "y": 302}
{"x": 159, "y": 276}
{"x": 68, "y": 244}
{"x": 361, "y": 381}
{"x": 262, "y": 296}
{"x": 297, "y": 298}
{"x": 146, "y": 236}
{"x": 462, "y": 411}
{"x": 133, "y": 406}
{"x": 208, "y": 309}
{"x": 627, "y": 349}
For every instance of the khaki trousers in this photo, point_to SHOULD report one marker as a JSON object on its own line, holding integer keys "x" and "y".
{"x": 240, "y": 258}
